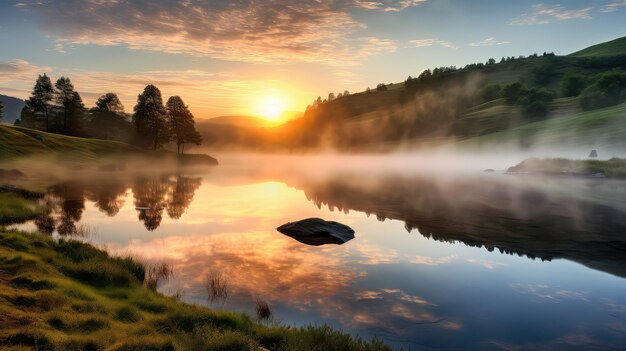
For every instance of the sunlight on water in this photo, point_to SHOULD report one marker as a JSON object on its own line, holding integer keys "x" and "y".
{"x": 393, "y": 280}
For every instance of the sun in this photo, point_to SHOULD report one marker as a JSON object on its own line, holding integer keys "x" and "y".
{"x": 271, "y": 108}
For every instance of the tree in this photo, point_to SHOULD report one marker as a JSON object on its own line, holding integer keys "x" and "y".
{"x": 381, "y": 87}
{"x": 573, "y": 85}
{"x": 490, "y": 92}
{"x": 64, "y": 96}
{"x": 1, "y": 108}
{"x": 346, "y": 93}
{"x": 75, "y": 112}
{"x": 150, "y": 117}
{"x": 536, "y": 102}
{"x": 107, "y": 116}
{"x": 490, "y": 62}
{"x": 513, "y": 92}
{"x": 331, "y": 97}
{"x": 42, "y": 95}
{"x": 181, "y": 123}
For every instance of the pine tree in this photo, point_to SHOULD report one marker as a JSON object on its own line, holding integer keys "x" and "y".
{"x": 42, "y": 95}
{"x": 150, "y": 117}
{"x": 181, "y": 124}
{"x": 108, "y": 115}
{"x": 75, "y": 110}
{"x": 64, "y": 97}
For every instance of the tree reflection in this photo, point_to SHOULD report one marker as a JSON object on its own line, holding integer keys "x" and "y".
{"x": 108, "y": 195}
{"x": 180, "y": 196}
{"x": 516, "y": 218}
{"x": 70, "y": 197}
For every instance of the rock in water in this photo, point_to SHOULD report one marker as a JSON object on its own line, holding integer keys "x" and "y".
{"x": 316, "y": 231}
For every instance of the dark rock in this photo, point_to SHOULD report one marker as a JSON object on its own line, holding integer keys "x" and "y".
{"x": 316, "y": 231}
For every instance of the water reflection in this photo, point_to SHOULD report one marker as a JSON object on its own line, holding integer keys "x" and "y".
{"x": 410, "y": 290}
{"x": 65, "y": 201}
{"x": 511, "y": 215}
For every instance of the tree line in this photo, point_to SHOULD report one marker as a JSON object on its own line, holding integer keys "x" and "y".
{"x": 59, "y": 108}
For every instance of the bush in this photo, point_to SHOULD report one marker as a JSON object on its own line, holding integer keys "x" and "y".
{"x": 573, "y": 85}
{"x": 490, "y": 92}
{"x": 608, "y": 90}
{"x": 513, "y": 92}
{"x": 536, "y": 102}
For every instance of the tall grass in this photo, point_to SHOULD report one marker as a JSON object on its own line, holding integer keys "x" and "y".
{"x": 156, "y": 274}
{"x": 216, "y": 287}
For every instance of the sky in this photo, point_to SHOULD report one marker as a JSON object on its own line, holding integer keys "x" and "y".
{"x": 257, "y": 57}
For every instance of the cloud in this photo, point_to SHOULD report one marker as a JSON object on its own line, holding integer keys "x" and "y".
{"x": 486, "y": 263}
{"x": 419, "y": 43}
{"x": 388, "y": 5}
{"x": 431, "y": 261}
{"x": 613, "y": 6}
{"x": 489, "y": 42}
{"x": 245, "y": 30}
{"x": 546, "y": 292}
{"x": 544, "y": 14}
{"x": 20, "y": 70}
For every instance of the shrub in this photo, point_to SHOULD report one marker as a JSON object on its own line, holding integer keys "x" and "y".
{"x": 573, "y": 85}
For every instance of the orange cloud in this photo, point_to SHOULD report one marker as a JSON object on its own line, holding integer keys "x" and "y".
{"x": 249, "y": 31}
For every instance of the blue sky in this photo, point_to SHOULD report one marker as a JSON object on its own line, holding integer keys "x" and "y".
{"x": 231, "y": 57}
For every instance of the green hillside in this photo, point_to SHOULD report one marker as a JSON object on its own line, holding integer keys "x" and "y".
{"x": 602, "y": 129}
{"x": 18, "y": 141}
{"x": 609, "y": 48}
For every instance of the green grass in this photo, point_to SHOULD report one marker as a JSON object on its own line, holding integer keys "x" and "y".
{"x": 66, "y": 295}
{"x": 610, "y": 48}
{"x": 18, "y": 141}
{"x": 14, "y": 208}
{"x": 602, "y": 129}
{"x": 615, "y": 167}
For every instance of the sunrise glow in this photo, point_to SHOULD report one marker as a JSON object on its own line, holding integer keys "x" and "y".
{"x": 271, "y": 108}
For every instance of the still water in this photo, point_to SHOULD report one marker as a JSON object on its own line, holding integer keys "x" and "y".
{"x": 441, "y": 260}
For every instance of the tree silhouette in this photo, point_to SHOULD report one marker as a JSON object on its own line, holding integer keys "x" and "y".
{"x": 181, "y": 193}
{"x": 107, "y": 116}
{"x": 41, "y": 97}
{"x": 150, "y": 117}
{"x": 64, "y": 96}
{"x": 181, "y": 124}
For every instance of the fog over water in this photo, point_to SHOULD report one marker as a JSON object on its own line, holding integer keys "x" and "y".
{"x": 445, "y": 255}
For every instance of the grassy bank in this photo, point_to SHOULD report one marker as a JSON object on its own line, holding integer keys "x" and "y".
{"x": 18, "y": 142}
{"x": 67, "y": 295}
{"x": 615, "y": 168}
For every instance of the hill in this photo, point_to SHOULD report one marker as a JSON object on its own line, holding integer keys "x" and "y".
{"x": 18, "y": 142}
{"x": 457, "y": 103}
{"x": 238, "y": 121}
{"x": 12, "y": 108}
{"x": 610, "y": 48}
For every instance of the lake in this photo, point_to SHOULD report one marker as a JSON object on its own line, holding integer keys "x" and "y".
{"x": 442, "y": 259}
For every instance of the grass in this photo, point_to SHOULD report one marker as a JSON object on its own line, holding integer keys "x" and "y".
{"x": 18, "y": 142}
{"x": 614, "y": 167}
{"x": 601, "y": 129}
{"x": 68, "y": 295}
{"x": 609, "y": 48}
{"x": 216, "y": 287}
{"x": 15, "y": 208}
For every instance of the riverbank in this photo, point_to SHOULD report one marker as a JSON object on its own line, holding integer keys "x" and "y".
{"x": 68, "y": 295}
{"x": 613, "y": 168}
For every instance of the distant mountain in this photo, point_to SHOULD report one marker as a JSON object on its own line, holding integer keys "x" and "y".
{"x": 610, "y": 48}
{"x": 238, "y": 121}
{"x": 12, "y": 108}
